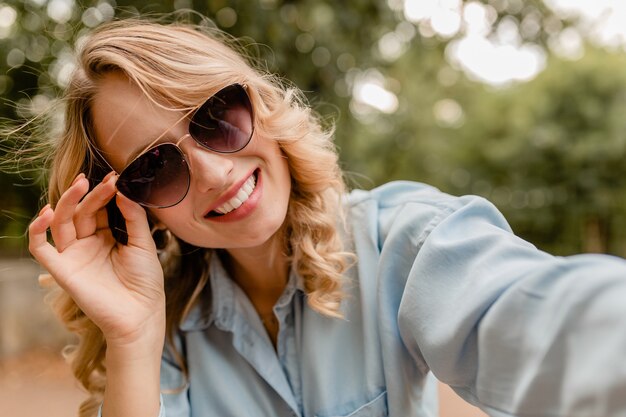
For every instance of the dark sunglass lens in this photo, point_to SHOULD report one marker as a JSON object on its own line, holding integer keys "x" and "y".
{"x": 224, "y": 122}
{"x": 157, "y": 178}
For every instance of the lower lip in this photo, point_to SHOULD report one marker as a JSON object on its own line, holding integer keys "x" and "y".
{"x": 246, "y": 208}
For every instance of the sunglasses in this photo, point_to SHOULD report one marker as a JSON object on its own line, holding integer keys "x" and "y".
{"x": 160, "y": 177}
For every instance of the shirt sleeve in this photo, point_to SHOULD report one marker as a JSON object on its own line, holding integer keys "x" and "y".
{"x": 512, "y": 329}
{"x": 174, "y": 383}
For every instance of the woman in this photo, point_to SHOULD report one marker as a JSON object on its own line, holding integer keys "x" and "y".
{"x": 195, "y": 200}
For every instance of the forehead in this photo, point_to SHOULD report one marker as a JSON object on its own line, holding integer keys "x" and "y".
{"x": 125, "y": 120}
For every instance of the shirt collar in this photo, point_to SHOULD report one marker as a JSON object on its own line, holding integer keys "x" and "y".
{"x": 218, "y": 300}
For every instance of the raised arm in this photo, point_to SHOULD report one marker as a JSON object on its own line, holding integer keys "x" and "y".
{"x": 119, "y": 287}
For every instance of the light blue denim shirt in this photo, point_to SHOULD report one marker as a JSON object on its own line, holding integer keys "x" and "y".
{"x": 442, "y": 285}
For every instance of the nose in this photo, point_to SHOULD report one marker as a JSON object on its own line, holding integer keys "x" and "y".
{"x": 209, "y": 170}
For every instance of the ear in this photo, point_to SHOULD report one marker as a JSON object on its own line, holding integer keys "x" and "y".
{"x": 160, "y": 233}
{"x": 162, "y": 238}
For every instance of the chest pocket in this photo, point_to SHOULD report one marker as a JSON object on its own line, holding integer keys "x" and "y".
{"x": 375, "y": 408}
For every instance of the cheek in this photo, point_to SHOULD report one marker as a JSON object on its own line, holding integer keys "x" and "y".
{"x": 173, "y": 218}
{"x": 285, "y": 182}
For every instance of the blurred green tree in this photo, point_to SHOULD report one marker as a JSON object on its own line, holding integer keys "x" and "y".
{"x": 552, "y": 158}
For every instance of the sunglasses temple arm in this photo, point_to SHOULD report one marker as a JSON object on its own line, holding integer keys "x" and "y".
{"x": 101, "y": 159}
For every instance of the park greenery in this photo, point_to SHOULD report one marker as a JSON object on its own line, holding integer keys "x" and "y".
{"x": 547, "y": 151}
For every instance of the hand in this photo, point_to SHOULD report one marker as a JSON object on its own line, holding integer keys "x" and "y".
{"x": 119, "y": 287}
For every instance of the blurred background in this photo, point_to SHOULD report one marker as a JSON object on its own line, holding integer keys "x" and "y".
{"x": 522, "y": 102}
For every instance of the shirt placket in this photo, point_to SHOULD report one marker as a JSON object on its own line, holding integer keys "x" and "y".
{"x": 234, "y": 313}
{"x": 286, "y": 346}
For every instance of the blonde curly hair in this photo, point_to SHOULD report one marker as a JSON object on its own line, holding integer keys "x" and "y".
{"x": 181, "y": 64}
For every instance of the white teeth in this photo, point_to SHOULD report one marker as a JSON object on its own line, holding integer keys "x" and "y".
{"x": 236, "y": 202}
{"x": 241, "y": 197}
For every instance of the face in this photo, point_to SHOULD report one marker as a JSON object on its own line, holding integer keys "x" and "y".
{"x": 235, "y": 200}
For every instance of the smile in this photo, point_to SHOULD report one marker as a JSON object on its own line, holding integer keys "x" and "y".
{"x": 243, "y": 194}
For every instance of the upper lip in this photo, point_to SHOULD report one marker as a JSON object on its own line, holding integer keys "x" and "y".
{"x": 232, "y": 191}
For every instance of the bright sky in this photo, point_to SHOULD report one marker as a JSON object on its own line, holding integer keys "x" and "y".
{"x": 495, "y": 55}
{"x": 603, "y": 20}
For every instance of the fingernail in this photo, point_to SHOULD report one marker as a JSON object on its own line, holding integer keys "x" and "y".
{"x": 43, "y": 210}
{"x": 80, "y": 176}
{"x": 45, "y": 280}
{"x": 108, "y": 176}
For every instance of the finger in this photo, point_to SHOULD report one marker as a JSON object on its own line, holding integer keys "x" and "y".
{"x": 137, "y": 225}
{"x": 46, "y": 254}
{"x": 37, "y": 230}
{"x": 102, "y": 219}
{"x": 45, "y": 280}
{"x": 62, "y": 225}
{"x": 38, "y": 244}
{"x": 90, "y": 214}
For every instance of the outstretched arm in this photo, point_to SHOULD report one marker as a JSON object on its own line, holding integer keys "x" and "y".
{"x": 512, "y": 329}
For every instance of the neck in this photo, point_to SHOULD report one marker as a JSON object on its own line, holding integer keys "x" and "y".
{"x": 261, "y": 272}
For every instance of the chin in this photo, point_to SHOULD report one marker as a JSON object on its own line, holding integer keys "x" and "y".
{"x": 237, "y": 240}
{"x": 267, "y": 235}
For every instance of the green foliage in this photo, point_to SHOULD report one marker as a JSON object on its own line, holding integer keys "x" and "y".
{"x": 552, "y": 157}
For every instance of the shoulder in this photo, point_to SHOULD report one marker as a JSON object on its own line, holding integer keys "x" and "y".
{"x": 410, "y": 210}
{"x": 398, "y": 195}
{"x": 393, "y": 192}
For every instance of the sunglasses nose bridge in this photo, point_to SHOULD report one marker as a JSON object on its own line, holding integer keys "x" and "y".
{"x": 209, "y": 170}
{"x": 183, "y": 137}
